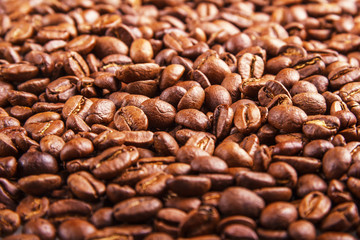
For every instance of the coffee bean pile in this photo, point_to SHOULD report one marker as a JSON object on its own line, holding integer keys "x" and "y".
{"x": 178, "y": 119}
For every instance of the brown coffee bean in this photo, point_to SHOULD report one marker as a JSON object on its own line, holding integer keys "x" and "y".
{"x": 287, "y": 118}
{"x": 85, "y": 186}
{"x": 160, "y": 114}
{"x": 278, "y": 215}
{"x": 233, "y": 155}
{"x": 34, "y": 162}
{"x": 101, "y": 111}
{"x": 137, "y": 209}
{"x": 314, "y": 207}
{"x": 193, "y": 119}
{"x": 75, "y": 229}
{"x": 11, "y": 222}
{"x": 76, "y": 148}
{"x": 205, "y": 216}
{"x": 32, "y": 208}
{"x": 302, "y": 229}
{"x": 112, "y": 161}
{"x": 165, "y": 144}
{"x": 41, "y": 228}
{"x": 43, "y": 124}
{"x": 130, "y": 118}
{"x": 240, "y": 201}
{"x": 336, "y": 162}
{"x": 216, "y": 95}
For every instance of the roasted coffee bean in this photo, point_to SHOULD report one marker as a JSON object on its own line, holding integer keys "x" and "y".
{"x": 314, "y": 207}
{"x": 205, "y": 216}
{"x": 188, "y": 185}
{"x": 160, "y": 114}
{"x": 320, "y": 126}
{"x": 336, "y": 162}
{"x": 302, "y": 229}
{"x": 34, "y": 162}
{"x": 101, "y": 111}
{"x": 250, "y": 66}
{"x": 10, "y": 222}
{"x": 85, "y": 186}
{"x": 76, "y": 148}
{"x": 278, "y": 215}
{"x": 216, "y": 95}
{"x": 165, "y": 144}
{"x": 32, "y": 208}
{"x": 137, "y": 209}
{"x": 8, "y": 166}
{"x": 233, "y": 155}
{"x": 234, "y": 199}
{"x": 41, "y": 228}
{"x": 75, "y": 229}
{"x": 193, "y": 119}
{"x": 341, "y": 218}
{"x": 287, "y": 118}
{"x": 113, "y": 161}
{"x": 247, "y": 118}
{"x": 39, "y": 184}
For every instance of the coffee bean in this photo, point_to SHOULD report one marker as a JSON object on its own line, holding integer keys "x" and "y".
{"x": 234, "y": 199}
{"x": 138, "y": 209}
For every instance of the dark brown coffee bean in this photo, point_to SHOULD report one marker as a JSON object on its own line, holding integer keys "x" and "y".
{"x": 320, "y": 126}
{"x": 193, "y": 98}
{"x": 302, "y": 229}
{"x": 165, "y": 144}
{"x": 101, "y": 111}
{"x": 308, "y": 183}
{"x": 41, "y": 228}
{"x": 153, "y": 185}
{"x": 233, "y": 155}
{"x": 107, "y": 45}
{"x": 76, "y": 148}
{"x": 39, "y": 184}
{"x": 247, "y": 118}
{"x": 216, "y": 95}
{"x": 254, "y": 180}
{"x": 7, "y": 147}
{"x": 278, "y": 215}
{"x": 250, "y": 66}
{"x": 112, "y": 161}
{"x": 76, "y": 105}
{"x": 130, "y": 118}
{"x": 137, "y": 209}
{"x": 311, "y": 103}
{"x": 188, "y": 186}
{"x": 102, "y": 217}
{"x": 32, "y": 208}
{"x": 314, "y": 207}
{"x": 8, "y": 166}
{"x": 138, "y": 72}
{"x": 10, "y": 222}
{"x": 206, "y": 216}
{"x": 336, "y": 162}
{"x": 284, "y": 174}
{"x": 82, "y": 44}
{"x": 302, "y": 165}
{"x": 234, "y": 199}
{"x": 341, "y": 218}
{"x": 160, "y": 114}
{"x": 34, "y": 162}
{"x": 85, "y": 186}
{"x": 287, "y": 118}
{"x": 75, "y": 229}
{"x": 193, "y": 119}
{"x": 63, "y": 209}
{"x": 317, "y": 148}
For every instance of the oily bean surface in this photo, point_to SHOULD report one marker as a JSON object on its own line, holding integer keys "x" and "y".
{"x": 179, "y": 119}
